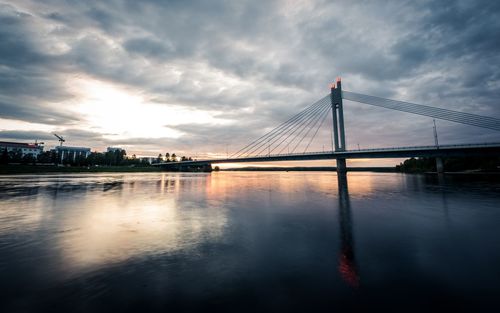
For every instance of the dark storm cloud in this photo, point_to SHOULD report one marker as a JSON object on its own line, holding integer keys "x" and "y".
{"x": 147, "y": 47}
{"x": 26, "y": 72}
{"x": 203, "y": 137}
{"x": 79, "y": 134}
{"x": 32, "y": 112}
{"x": 25, "y": 135}
{"x": 17, "y": 46}
{"x": 256, "y": 62}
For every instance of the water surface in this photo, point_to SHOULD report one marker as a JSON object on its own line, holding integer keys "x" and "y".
{"x": 251, "y": 241}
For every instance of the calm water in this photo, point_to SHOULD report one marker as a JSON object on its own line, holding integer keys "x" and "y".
{"x": 278, "y": 241}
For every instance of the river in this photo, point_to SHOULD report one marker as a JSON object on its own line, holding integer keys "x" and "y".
{"x": 248, "y": 242}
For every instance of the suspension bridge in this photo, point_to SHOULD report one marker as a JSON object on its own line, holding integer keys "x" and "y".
{"x": 291, "y": 140}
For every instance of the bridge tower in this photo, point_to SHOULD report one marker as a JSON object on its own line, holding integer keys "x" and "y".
{"x": 338, "y": 123}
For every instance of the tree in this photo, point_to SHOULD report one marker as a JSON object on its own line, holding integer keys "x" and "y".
{"x": 109, "y": 158}
{"x": 120, "y": 155}
{"x": 174, "y": 157}
{"x": 53, "y": 157}
{"x": 28, "y": 158}
{"x": 167, "y": 157}
{"x": 80, "y": 160}
{"x": 44, "y": 157}
{"x": 16, "y": 156}
{"x": 414, "y": 165}
{"x": 4, "y": 159}
{"x": 159, "y": 158}
{"x": 91, "y": 158}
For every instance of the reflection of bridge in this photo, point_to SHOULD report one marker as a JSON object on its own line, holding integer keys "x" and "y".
{"x": 298, "y": 132}
{"x": 348, "y": 268}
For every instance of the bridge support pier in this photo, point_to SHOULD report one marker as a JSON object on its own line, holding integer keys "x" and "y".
{"x": 341, "y": 166}
{"x": 439, "y": 165}
{"x": 338, "y": 116}
{"x": 179, "y": 167}
{"x": 338, "y": 123}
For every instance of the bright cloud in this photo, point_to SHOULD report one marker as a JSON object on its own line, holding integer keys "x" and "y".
{"x": 120, "y": 113}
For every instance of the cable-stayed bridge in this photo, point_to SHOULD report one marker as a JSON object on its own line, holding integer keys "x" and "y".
{"x": 292, "y": 139}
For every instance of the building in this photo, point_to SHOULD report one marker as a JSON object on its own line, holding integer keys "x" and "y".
{"x": 24, "y": 148}
{"x": 150, "y": 160}
{"x": 71, "y": 153}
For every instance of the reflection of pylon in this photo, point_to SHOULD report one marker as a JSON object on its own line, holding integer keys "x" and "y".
{"x": 347, "y": 265}
{"x": 347, "y": 269}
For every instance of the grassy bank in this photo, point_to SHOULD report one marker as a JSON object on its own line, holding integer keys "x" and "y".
{"x": 40, "y": 169}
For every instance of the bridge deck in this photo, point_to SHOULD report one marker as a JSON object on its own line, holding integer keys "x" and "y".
{"x": 462, "y": 150}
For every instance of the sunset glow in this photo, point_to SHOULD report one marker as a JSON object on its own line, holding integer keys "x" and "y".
{"x": 120, "y": 113}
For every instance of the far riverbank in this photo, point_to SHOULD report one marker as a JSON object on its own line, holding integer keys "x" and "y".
{"x": 47, "y": 169}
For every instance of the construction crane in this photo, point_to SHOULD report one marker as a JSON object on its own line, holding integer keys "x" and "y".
{"x": 60, "y": 138}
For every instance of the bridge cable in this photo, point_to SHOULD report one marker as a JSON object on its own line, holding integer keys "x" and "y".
{"x": 429, "y": 111}
{"x": 290, "y": 120}
{"x": 300, "y": 127}
{"x": 293, "y": 129}
{"x": 263, "y": 137}
{"x": 280, "y": 127}
{"x": 284, "y": 131}
{"x": 319, "y": 126}
{"x": 304, "y": 127}
{"x": 321, "y": 117}
{"x": 327, "y": 109}
{"x": 315, "y": 118}
{"x": 424, "y": 110}
{"x": 454, "y": 116}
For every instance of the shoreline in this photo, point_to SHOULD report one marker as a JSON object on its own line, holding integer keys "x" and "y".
{"x": 52, "y": 169}
{"x": 12, "y": 169}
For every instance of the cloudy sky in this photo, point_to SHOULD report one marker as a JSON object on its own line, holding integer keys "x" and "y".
{"x": 203, "y": 77}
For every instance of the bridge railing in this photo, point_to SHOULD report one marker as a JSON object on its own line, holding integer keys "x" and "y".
{"x": 480, "y": 145}
{"x": 430, "y": 147}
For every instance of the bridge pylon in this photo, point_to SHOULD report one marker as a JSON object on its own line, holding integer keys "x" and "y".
{"x": 338, "y": 122}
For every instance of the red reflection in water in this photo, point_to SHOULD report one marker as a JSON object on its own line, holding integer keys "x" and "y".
{"x": 348, "y": 271}
{"x": 347, "y": 265}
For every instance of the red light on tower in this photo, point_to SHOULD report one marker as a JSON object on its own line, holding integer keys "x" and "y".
{"x": 337, "y": 81}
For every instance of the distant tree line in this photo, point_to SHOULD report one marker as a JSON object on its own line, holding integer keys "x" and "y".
{"x": 170, "y": 158}
{"x": 110, "y": 158}
{"x": 419, "y": 165}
